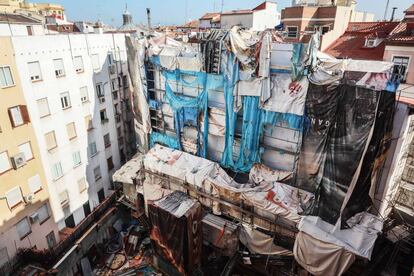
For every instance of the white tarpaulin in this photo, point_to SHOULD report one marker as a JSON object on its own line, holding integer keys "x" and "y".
{"x": 287, "y": 96}
{"x": 260, "y": 243}
{"x": 321, "y": 258}
{"x": 359, "y": 239}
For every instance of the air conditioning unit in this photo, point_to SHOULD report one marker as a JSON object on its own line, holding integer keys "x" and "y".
{"x": 112, "y": 69}
{"x": 101, "y": 99}
{"x": 29, "y": 198}
{"x": 34, "y": 218}
{"x": 19, "y": 160}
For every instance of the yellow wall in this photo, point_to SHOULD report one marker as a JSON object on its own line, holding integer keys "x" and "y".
{"x": 12, "y": 5}
{"x": 10, "y": 139}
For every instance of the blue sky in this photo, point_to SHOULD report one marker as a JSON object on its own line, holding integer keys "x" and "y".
{"x": 174, "y": 11}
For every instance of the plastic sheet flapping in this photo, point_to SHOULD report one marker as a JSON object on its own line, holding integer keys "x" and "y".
{"x": 164, "y": 139}
{"x": 187, "y": 107}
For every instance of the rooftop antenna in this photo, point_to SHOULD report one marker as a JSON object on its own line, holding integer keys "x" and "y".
{"x": 186, "y": 11}
{"x": 149, "y": 18}
{"x": 386, "y": 10}
{"x": 393, "y": 13}
{"x": 222, "y": 5}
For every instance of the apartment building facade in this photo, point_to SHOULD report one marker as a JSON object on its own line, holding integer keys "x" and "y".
{"x": 72, "y": 87}
{"x": 26, "y": 218}
{"x": 331, "y": 21}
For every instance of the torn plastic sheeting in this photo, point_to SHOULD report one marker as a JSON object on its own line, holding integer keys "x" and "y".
{"x": 321, "y": 258}
{"x": 287, "y": 96}
{"x": 242, "y": 42}
{"x": 164, "y": 139}
{"x": 358, "y": 239}
{"x": 260, "y": 243}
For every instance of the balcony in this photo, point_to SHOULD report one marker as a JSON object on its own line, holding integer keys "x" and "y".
{"x": 56, "y": 255}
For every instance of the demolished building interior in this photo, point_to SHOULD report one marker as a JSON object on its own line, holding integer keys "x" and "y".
{"x": 257, "y": 157}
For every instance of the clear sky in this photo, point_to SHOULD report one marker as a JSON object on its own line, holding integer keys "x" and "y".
{"x": 175, "y": 11}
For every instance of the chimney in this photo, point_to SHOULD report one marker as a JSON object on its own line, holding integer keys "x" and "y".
{"x": 98, "y": 28}
{"x": 393, "y": 14}
{"x": 149, "y": 19}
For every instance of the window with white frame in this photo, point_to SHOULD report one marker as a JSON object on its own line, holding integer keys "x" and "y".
{"x": 4, "y": 162}
{"x": 64, "y": 198}
{"x": 14, "y": 197}
{"x": 88, "y": 122}
{"x": 78, "y": 63}
{"x": 95, "y": 62}
{"x": 43, "y": 107}
{"x": 82, "y": 185}
{"x": 99, "y": 90}
{"x": 59, "y": 68}
{"x": 26, "y": 149}
{"x": 43, "y": 213}
{"x": 401, "y": 67}
{"x": 57, "y": 171}
{"x": 50, "y": 139}
{"x": 65, "y": 100}
{"x": 76, "y": 158}
{"x": 84, "y": 94}
{"x": 292, "y": 31}
{"x": 97, "y": 173}
{"x": 18, "y": 115}
{"x": 6, "y": 78}
{"x": 34, "y": 183}
{"x": 371, "y": 42}
{"x": 104, "y": 117}
{"x": 23, "y": 228}
{"x": 92, "y": 149}
{"x": 107, "y": 140}
{"x": 34, "y": 71}
{"x": 71, "y": 130}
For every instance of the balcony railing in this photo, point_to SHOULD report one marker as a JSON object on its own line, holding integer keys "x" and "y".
{"x": 49, "y": 257}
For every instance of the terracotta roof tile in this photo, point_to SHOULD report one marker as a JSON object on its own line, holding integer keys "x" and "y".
{"x": 210, "y": 15}
{"x": 237, "y": 12}
{"x": 352, "y": 43}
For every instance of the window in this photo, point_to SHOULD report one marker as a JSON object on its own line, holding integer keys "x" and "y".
{"x": 4, "y": 256}
{"x": 29, "y": 30}
{"x": 4, "y": 162}
{"x": 114, "y": 85}
{"x": 292, "y": 31}
{"x": 43, "y": 213}
{"x": 88, "y": 122}
{"x": 65, "y": 100}
{"x": 57, "y": 171}
{"x": 97, "y": 173}
{"x": 71, "y": 129}
{"x": 84, "y": 94}
{"x": 401, "y": 67}
{"x": 6, "y": 78}
{"x": 34, "y": 71}
{"x": 95, "y": 62}
{"x": 18, "y": 115}
{"x": 26, "y": 149}
{"x": 64, "y": 198}
{"x": 76, "y": 159}
{"x": 14, "y": 197}
{"x": 107, "y": 140}
{"x": 59, "y": 68}
{"x": 50, "y": 139}
{"x": 322, "y": 29}
{"x": 78, "y": 63}
{"x": 51, "y": 240}
{"x": 43, "y": 106}
{"x": 370, "y": 42}
{"x": 92, "y": 149}
{"x": 34, "y": 183}
{"x": 104, "y": 118}
{"x": 110, "y": 163}
{"x": 99, "y": 90}
{"x": 82, "y": 185}
{"x": 23, "y": 228}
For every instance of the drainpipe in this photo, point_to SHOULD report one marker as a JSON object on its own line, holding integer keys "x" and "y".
{"x": 393, "y": 13}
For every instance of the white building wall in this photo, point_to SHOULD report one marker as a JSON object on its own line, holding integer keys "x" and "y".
{"x": 44, "y": 49}
{"x": 19, "y": 29}
{"x": 267, "y": 18}
{"x": 230, "y": 20}
{"x": 205, "y": 24}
